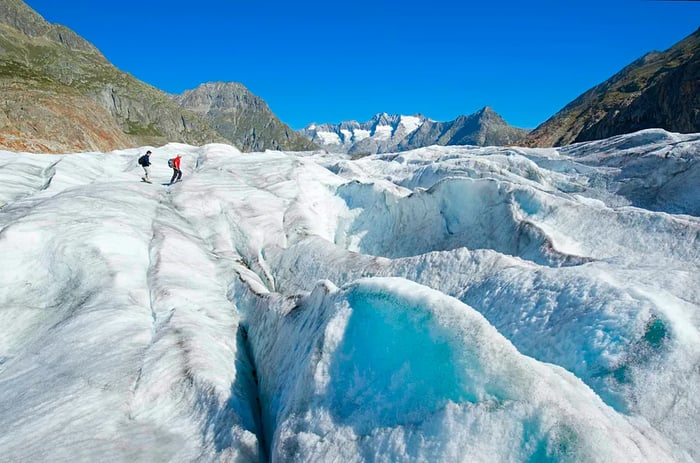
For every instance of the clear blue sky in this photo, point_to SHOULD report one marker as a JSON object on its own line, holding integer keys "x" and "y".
{"x": 325, "y": 61}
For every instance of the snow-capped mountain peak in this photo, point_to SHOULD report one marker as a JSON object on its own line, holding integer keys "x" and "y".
{"x": 396, "y": 132}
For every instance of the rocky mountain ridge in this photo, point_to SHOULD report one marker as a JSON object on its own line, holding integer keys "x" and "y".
{"x": 58, "y": 93}
{"x": 659, "y": 90}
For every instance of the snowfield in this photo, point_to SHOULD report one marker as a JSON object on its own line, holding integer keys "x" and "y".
{"x": 447, "y": 304}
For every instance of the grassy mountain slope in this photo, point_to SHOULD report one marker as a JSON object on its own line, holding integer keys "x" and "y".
{"x": 661, "y": 89}
{"x": 60, "y": 94}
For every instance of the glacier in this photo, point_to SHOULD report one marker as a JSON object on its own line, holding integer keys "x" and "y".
{"x": 444, "y": 304}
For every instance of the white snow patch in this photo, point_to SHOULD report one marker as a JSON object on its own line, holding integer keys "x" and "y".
{"x": 382, "y": 132}
{"x": 360, "y": 134}
{"x": 328, "y": 138}
{"x": 410, "y": 123}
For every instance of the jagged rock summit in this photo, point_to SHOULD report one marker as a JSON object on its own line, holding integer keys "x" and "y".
{"x": 387, "y": 133}
{"x": 659, "y": 90}
{"x": 241, "y": 117}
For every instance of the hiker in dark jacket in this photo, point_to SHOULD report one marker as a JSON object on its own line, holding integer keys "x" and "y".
{"x": 145, "y": 162}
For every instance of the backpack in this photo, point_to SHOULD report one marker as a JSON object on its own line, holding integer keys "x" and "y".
{"x": 142, "y": 160}
{"x": 171, "y": 163}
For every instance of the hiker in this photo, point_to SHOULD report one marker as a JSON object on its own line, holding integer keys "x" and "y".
{"x": 175, "y": 164}
{"x": 145, "y": 162}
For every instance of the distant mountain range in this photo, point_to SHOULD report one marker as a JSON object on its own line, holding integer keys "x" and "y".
{"x": 58, "y": 93}
{"x": 387, "y": 133}
{"x": 659, "y": 90}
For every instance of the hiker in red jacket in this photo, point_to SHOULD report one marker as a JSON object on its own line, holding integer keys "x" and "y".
{"x": 177, "y": 173}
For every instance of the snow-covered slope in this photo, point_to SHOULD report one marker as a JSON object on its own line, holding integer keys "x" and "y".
{"x": 442, "y": 304}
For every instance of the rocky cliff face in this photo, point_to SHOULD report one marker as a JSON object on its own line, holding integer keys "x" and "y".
{"x": 388, "y": 133}
{"x": 242, "y": 118}
{"x": 660, "y": 90}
